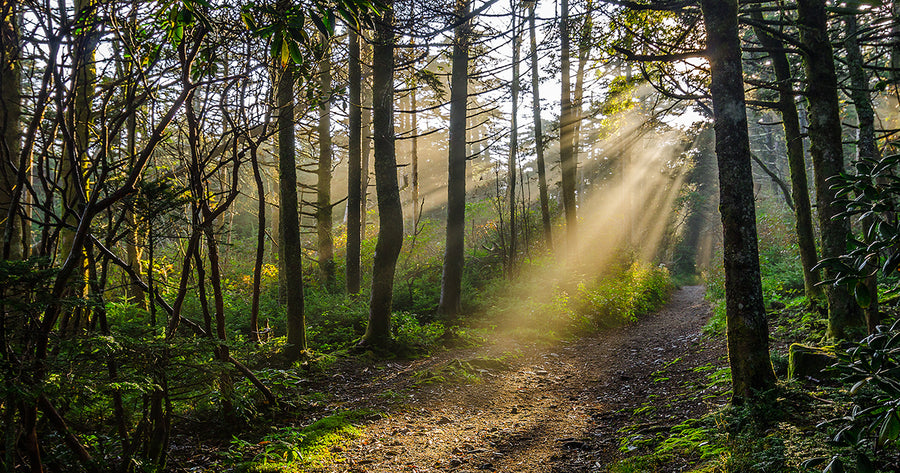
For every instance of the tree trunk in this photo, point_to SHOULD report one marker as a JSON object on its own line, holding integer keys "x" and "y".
{"x": 539, "y": 134}
{"x": 365, "y": 134}
{"x": 827, "y": 155}
{"x": 454, "y": 252}
{"x": 513, "y": 140}
{"x": 292, "y": 265}
{"x": 748, "y": 334}
{"x": 75, "y": 153}
{"x": 414, "y": 157}
{"x": 866, "y": 146}
{"x": 700, "y": 204}
{"x": 354, "y": 171}
{"x": 323, "y": 187}
{"x": 260, "y": 244}
{"x": 584, "y": 54}
{"x": 806, "y": 239}
{"x": 390, "y": 214}
{"x": 133, "y": 222}
{"x": 13, "y": 245}
{"x": 566, "y": 132}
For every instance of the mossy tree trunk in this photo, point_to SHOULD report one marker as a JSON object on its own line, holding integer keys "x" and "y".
{"x": 748, "y": 335}
{"x": 13, "y": 244}
{"x": 826, "y": 149}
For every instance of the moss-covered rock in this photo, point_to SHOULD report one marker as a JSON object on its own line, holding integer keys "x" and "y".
{"x": 809, "y": 362}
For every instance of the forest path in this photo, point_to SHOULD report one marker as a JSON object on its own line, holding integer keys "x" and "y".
{"x": 543, "y": 408}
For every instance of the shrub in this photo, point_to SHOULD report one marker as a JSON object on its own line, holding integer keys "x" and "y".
{"x": 870, "y": 432}
{"x": 621, "y": 298}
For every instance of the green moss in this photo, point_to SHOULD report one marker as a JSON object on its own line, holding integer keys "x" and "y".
{"x": 291, "y": 449}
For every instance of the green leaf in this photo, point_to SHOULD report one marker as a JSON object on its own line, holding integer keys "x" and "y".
{"x": 858, "y": 385}
{"x": 834, "y": 466}
{"x": 285, "y": 52}
{"x": 863, "y": 296}
{"x": 890, "y": 428}
{"x": 277, "y": 41}
{"x": 863, "y": 464}
{"x": 319, "y": 23}
{"x": 294, "y": 50}
{"x": 890, "y": 265}
{"x": 249, "y": 22}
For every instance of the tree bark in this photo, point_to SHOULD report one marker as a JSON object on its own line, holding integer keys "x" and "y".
{"x": 414, "y": 157}
{"x": 13, "y": 246}
{"x": 806, "y": 239}
{"x": 260, "y": 244}
{"x": 539, "y": 133}
{"x": 584, "y": 55}
{"x": 827, "y": 155}
{"x": 354, "y": 163}
{"x": 454, "y": 252}
{"x": 323, "y": 187}
{"x": 390, "y": 214}
{"x": 292, "y": 265}
{"x": 748, "y": 334}
{"x": 366, "y": 133}
{"x": 513, "y": 141}
{"x": 134, "y": 223}
{"x": 866, "y": 147}
{"x": 566, "y": 128}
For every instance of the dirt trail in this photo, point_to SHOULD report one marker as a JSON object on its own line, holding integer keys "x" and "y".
{"x": 550, "y": 409}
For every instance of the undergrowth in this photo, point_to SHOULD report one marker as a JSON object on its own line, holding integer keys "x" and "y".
{"x": 295, "y": 449}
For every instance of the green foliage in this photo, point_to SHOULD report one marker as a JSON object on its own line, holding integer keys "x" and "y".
{"x": 289, "y": 25}
{"x": 692, "y": 437}
{"x": 334, "y": 321}
{"x": 295, "y": 448}
{"x": 408, "y": 331}
{"x": 779, "y": 264}
{"x": 798, "y": 322}
{"x": 869, "y": 196}
{"x": 623, "y": 297}
{"x": 454, "y": 371}
{"x": 870, "y": 433}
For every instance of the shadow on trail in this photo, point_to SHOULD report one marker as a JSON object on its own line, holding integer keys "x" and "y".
{"x": 558, "y": 408}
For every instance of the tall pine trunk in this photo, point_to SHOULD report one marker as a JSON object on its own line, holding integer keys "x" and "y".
{"x": 323, "y": 187}
{"x": 748, "y": 334}
{"x": 454, "y": 253}
{"x": 539, "y": 133}
{"x": 366, "y": 132}
{"x": 390, "y": 214}
{"x": 566, "y": 128}
{"x": 513, "y": 141}
{"x": 354, "y": 158}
